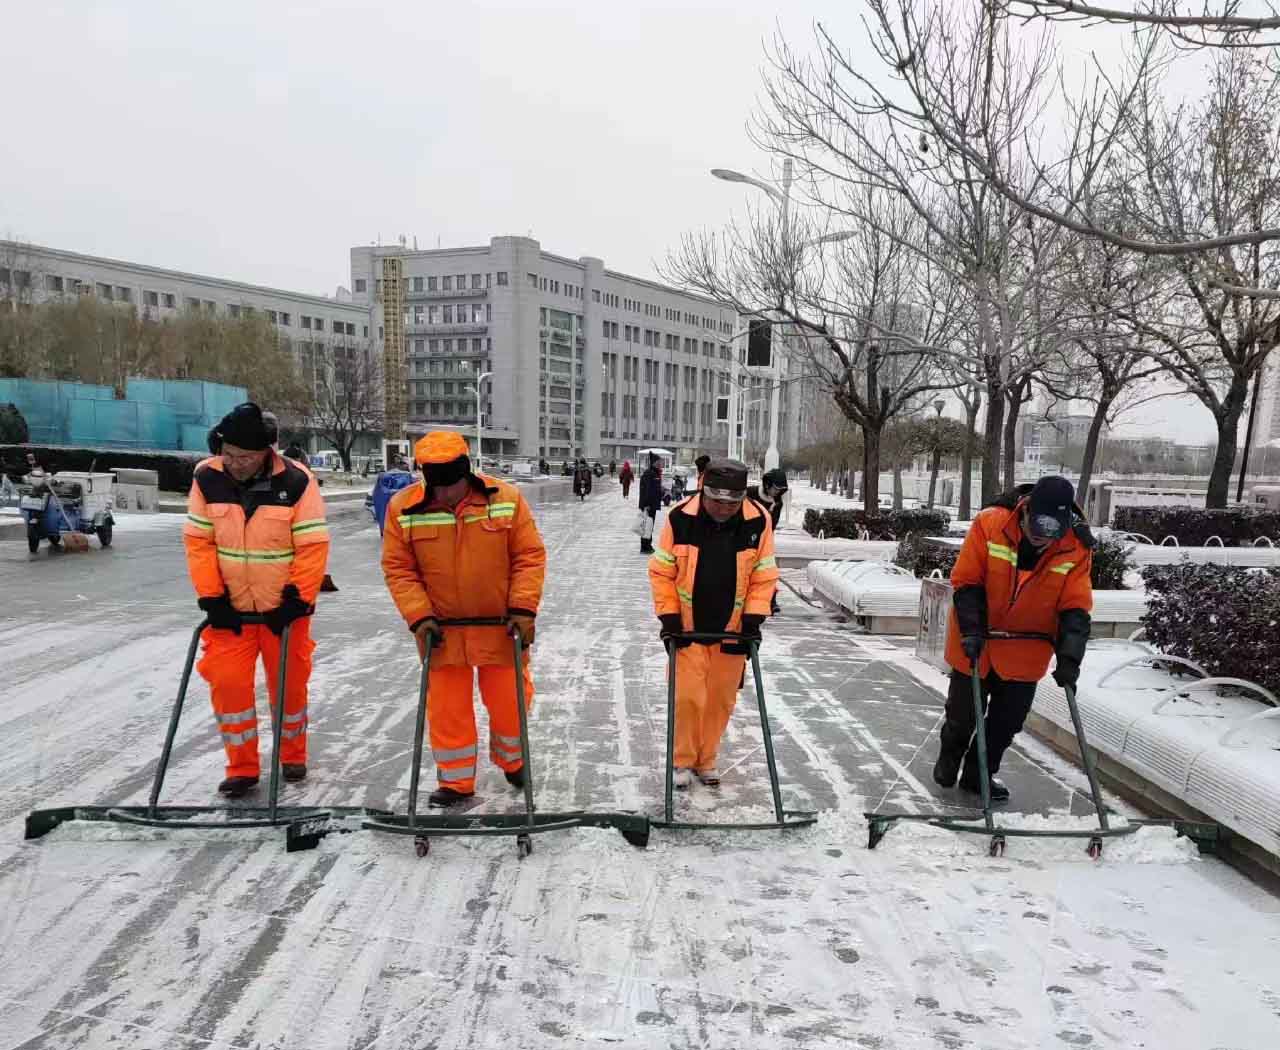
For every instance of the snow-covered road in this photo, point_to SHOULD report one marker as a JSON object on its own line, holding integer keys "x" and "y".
{"x": 112, "y": 936}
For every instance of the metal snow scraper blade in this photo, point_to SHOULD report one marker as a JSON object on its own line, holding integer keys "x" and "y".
{"x": 784, "y": 818}
{"x": 879, "y": 824}
{"x": 633, "y": 826}
{"x": 42, "y": 821}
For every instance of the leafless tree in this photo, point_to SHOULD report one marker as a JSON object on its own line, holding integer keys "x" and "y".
{"x": 1217, "y": 25}
{"x": 848, "y": 128}
{"x": 348, "y": 402}
{"x": 870, "y": 312}
{"x": 1210, "y": 165}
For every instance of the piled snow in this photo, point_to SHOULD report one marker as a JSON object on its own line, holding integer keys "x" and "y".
{"x": 1147, "y": 845}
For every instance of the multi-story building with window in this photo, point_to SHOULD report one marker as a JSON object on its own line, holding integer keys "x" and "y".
{"x": 583, "y": 359}
{"x": 31, "y": 273}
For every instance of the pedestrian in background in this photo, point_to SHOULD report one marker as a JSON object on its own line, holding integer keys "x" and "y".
{"x": 650, "y": 500}
{"x": 624, "y": 476}
{"x": 613, "y": 467}
{"x": 713, "y": 570}
{"x": 701, "y": 463}
{"x": 582, "y": 481}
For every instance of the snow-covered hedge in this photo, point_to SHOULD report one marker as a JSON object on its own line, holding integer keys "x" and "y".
{"x": 878, "y": 525}
{"x": 1225, "y": 618}
{"x": 1195, "y": 526}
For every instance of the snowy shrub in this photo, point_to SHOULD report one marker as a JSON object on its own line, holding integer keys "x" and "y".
{"x": 1111, "y": 560}
{"x": 921, "y": 557}
{"x": 1225, "y": 618}
{"x": 1193, "y": 526}
{"x": 13, "y": 427}
{"x": 879, "y": 525}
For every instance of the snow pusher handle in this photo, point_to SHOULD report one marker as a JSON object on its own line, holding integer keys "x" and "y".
{"x": 1020, "y": 636}
{"x": 419, "y": 729}
{"x": 252, "y": 620}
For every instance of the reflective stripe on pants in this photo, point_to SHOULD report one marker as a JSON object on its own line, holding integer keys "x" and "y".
{"x": 452, "y": 720}
{"x": 706, "y": 691}
{"x": 227, "y": 664}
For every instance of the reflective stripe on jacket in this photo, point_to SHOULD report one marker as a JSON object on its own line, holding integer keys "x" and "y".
{"x": 1017, "y": 601}
{"x": 253, "y": 540}
{"x": 483, "y": 558}
{"x": 674, "y": 564}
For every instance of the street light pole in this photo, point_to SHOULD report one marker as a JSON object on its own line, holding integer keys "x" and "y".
{"x": 783, "y": 201}
{"x": 479, "y": 439}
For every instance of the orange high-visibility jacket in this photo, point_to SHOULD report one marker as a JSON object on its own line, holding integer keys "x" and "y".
{"x": 674, "y": 565}
{"x": 483, "y": 558}
{"x": 1017, "y": 601}
{"x": 252, "y": 542}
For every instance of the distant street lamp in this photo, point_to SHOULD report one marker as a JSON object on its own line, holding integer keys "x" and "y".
{"x": 479, "y": 439}
{"x": 938, "y": 405}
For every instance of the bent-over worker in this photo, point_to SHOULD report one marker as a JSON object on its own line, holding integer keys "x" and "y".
{"x": 461, "y": 545}
{"x": 1024, "y": 568}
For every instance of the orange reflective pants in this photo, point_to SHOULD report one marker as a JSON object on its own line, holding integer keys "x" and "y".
{"x": 452, "y": 717}
{"x": 706, "y": 690}
{"x": 228, "y": 666}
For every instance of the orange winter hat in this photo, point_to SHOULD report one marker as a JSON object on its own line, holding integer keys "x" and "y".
{"x": 440, "y": 446}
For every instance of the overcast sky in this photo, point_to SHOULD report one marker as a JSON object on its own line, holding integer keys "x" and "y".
{"x": 260, "y": 141}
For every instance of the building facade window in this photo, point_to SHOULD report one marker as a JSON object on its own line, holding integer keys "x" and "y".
{"x": 362, "y": 285}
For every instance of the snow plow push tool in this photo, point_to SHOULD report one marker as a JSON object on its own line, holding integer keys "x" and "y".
{"x": 42, "y": 821}
{"x": 422, "y": 829}
{"x": 783, "y": 818}
{"x": 881, "y": 823}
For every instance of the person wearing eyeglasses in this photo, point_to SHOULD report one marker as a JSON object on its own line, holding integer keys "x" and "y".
{"x": 1024, "y": 568}
{"x": 257, "y": 543}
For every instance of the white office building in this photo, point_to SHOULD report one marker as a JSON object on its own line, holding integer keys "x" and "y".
{"x": 584, "y": 360}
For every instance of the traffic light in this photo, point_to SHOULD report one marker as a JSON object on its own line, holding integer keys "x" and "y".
{"x": 759, "y": 344}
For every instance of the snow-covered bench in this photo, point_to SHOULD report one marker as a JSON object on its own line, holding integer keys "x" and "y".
{"x": 796, "y": 549}
{"x": 1209, "y": 744}
{"x": 887, "y": 598}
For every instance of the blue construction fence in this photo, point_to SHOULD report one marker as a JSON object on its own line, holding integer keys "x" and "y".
{"x": 162, "y": 414}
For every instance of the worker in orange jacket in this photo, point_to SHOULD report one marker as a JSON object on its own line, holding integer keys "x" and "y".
{"x": 712, "y": 570}
{"x": 257, "y": 543}
{"x": 461, "y": 545}
{"x": 1024, "y": 568}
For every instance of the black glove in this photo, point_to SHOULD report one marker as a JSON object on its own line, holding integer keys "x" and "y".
{"x": 1067, "y": 671}
{"x": 972, "y": 645}
{"x": 291, "y": 608}
{"x": 750, "y": 629}
{"x": 221, "y": 614}
{"x": 428, "y": 628}
{"x": 672, "y": 628}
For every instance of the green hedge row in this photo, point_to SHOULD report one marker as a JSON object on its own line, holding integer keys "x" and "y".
{"x": 174, "y": 468}
{"x": 1194, "y": 526}
{"x": 1111, "y": 560}
{"x": 878, "y": 525}
{"x": 1225, "y": 618}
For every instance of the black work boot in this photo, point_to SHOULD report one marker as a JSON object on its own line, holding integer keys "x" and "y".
{"x": 947, "y": 768}
{"x": 443, "y": 797}
{"x": 515, "y": 777}
{"x": 294, "y": 771}
{"x": 237, "y": 787}
{"x": 969, "y": 782}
